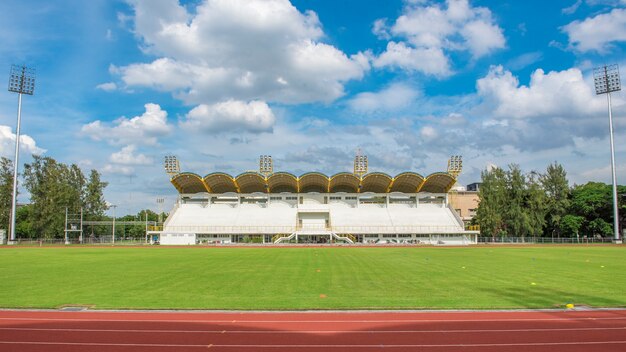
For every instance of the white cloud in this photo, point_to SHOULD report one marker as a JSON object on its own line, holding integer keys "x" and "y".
{"x": 426, "y": 60}
{"x": 127, "y": 156}
{"x": 238, "y": 49}
{"x": 572, "y": 8}
{"x": 380, "y": 28}
{"x": 557, "y": 93}
{"x": 231, "y": 115}
{"x": 118, "y": 169}
{"x": 482, "y": 37}
{"x": 597, "y": 33}
{"x": 143, "y": 129}
{"x": 394, "y": 97}
{"x": 430, "y": 30}
{"x": 428, "y": 133}
{"x": 107, "y": 87}
{"x": 7, "y": 143}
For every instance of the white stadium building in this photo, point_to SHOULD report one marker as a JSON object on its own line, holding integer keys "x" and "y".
{"x": 272, "y": 208}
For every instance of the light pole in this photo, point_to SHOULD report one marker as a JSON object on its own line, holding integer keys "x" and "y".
{"x": 21, "y": 81}
{"x": 113, "y": 231}
{"x": 606, "y": 79}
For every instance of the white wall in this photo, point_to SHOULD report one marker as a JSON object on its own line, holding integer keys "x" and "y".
{"x": 178, "y": 238}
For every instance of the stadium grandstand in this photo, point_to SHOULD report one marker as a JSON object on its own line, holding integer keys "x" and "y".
{"x": 273, "y": 208}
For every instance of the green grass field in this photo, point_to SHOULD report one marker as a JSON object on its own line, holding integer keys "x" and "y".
{"x": 313, "y": 278}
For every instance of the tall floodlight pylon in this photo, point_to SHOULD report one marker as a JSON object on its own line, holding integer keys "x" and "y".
{"x": 607, "y": 80}
{"x": 21, "y": 81}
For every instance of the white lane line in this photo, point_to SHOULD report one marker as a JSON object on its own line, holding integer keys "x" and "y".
{"x": 309, "y": 331}
{"x": 230, "y": 321}
{"x": 569, "y": 343}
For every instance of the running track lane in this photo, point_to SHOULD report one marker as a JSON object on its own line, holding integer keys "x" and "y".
{"x": 553, "y": 331}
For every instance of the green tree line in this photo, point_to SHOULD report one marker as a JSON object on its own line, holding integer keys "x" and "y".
{"x": 53, "y": 186}
{"x": 514, "y": 203}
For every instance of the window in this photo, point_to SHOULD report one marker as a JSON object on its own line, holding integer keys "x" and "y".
{"x": 277, "y": 198}
{"x": 335, "y": 198}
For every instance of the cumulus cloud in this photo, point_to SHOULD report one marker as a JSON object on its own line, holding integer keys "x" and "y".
{"x": 7, "y": 143}
{"x": 427, "y": 60}
{"x": 118, "y": 169}
{"x": 238, "y": 49}
{"x": 107, "y": 87}
{"x": 143, "y": 129}
{"x": 597, "y": 33}
{"x": 394, "y": 97}
{"x": 231, "y": 115}
{"x": 557, "y": 93}
{"x": 127, "y": 156}
{"x": 550, "y": 112}
{"x": 429, "y": 30}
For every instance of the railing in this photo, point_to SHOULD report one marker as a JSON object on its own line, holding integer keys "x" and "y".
{"x": 284, "y": 238}
{"x": 235, "y": 230}
{"x": 544, "y": 240}
{"x": 102, "y": 240}
{"x": 171, "y": 214}
{"x": 343, "y": 238}
{"x": 337, "y": 229}
{"x": 398, "y": 229}
{"x": 456, "y": 215}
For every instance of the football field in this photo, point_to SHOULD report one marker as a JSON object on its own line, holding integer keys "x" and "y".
{"x": 284, "y": 278}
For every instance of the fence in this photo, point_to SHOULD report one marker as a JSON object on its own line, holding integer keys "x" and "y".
{"x": 102, "y": 240}
{"x": 544, "y": 240}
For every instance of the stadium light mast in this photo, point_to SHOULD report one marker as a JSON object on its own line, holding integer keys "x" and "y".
{"x": 360, "y": 164}
{"x": 455, "y": 165}
{"x": 21, "y": 81}
{"x": 266, "y": 165}
{"x": 607, "y": 80}
{"x": 172, "y": 166}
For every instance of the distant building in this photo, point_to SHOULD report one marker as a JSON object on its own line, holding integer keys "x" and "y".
{"x": 473, "y": 187}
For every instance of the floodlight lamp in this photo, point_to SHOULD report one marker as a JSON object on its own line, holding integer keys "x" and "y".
{"x": 22, "y": 80}
{"x": 172, "y": 166}
{"x": 606, "y": 79}
{"x": 455, "y": 165}
{"x": 266, "y": 165}
{"x": 360, "y": 164}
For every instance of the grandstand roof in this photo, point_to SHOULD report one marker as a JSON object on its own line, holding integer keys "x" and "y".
{"x": 250, "y": 182}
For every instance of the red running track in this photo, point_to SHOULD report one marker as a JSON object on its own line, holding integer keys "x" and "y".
{"x": 552, "y": 331}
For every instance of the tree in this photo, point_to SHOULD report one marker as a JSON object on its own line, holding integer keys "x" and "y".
{"x": 53, "y": 187}
{"x": 556, "y": 186}
{"x": 95, "y": 205}
{"x": 515, "y": 214}
{"x": 6, "y": 192}
{"x": 535, "y": 205}
{"x": 571, "y": 225}
{"x": 491, "y": 202}
{"x": 593, "y": 202}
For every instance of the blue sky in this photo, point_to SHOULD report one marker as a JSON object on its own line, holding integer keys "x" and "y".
{"x": 219, "y": 82}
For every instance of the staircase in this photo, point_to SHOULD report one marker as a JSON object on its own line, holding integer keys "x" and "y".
{"x": 348, "y": 238}
{"x": 282, "y": 237}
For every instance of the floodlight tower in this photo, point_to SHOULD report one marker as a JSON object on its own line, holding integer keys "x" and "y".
{"x": 21, "y": 81}
{"x": 172, "y": 166}
{"x": 455, "y": 165}
{"x": 360, "y": 164}
{"x": 266, "y": 165}
{"x": 160, "y": 202}
{"x": 606, "y": 79}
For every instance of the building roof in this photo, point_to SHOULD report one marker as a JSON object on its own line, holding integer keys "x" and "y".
{"x": 250, "y": 182}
